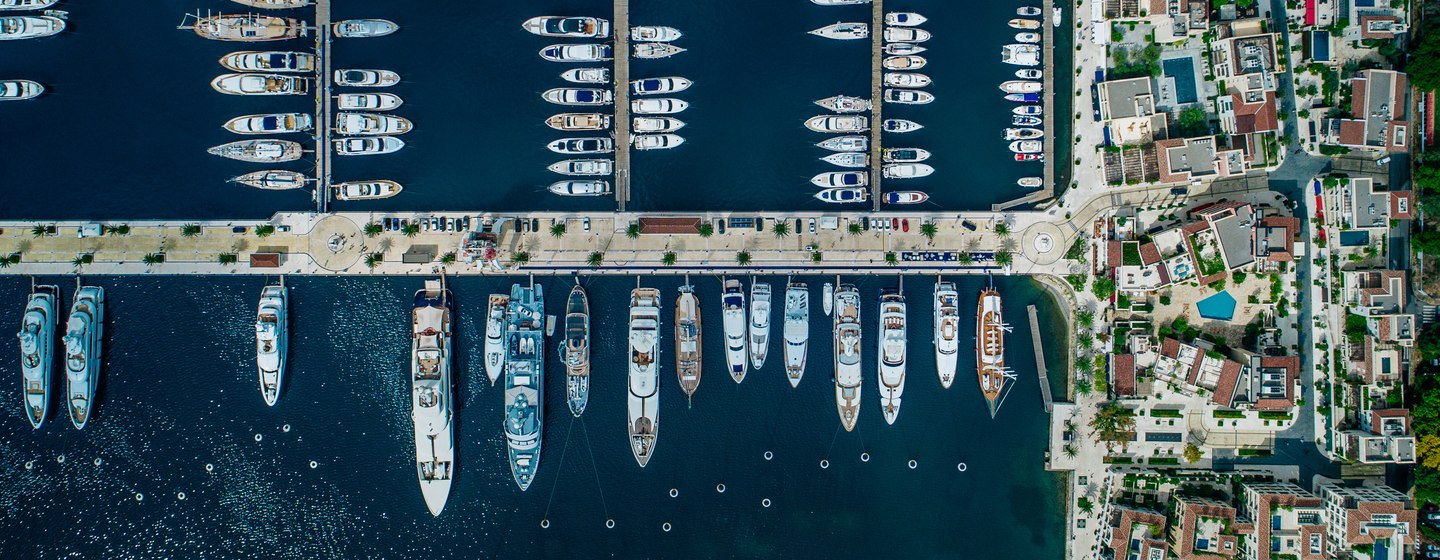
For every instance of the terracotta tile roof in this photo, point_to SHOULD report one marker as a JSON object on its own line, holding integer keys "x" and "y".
{"x": 1259, "y": 116}
{"x": 1122, "y": 526}
{"x": 1149, "y": 254}
{"x": 1402, "y": 205}
{"x": 1366, "y": 33}
{"x": 1352, "y": 132}
{"x": 1170, "y": 348}
{"x": 1190, "y": 514}
{"x": 1123, "y": 378}
{"x": 1363, "y": 512}
{"x": 1225, "y": 388}
{"x": 1114, "y": 254}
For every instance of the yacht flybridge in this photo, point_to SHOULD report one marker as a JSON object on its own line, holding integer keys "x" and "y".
{"x": 733, "y": 316}
{"x": 643, "y": 403}
{"x": 37, "y": 351}
{"x": 432, "y": 406}
{"x": 269, "y": 61}
{"x": 249, "y": 28}
{"x": 29, "y": 27}
{"x": 272, "y": 339}
{"x": 261, "y": 84}
{"x": 524, "y": 381}
{"x": 84, "y": 337}
{"x": 796, "y": 330}
{"x": 847, "y": 354}
{"x": 259, "y": 151}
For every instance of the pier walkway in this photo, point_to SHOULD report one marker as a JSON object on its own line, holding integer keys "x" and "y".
{"x": 877, "y": 73}
{"x": 1040, "y": 360}
{"x": 621, "y": 26}
{"x": 323, "y": 112}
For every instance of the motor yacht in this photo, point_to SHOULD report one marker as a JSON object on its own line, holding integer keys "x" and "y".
{"x": 905, "y": 197}
{"x": 733, "y": 317}
{"x": 656, "y": 141}
{"x": 1023, "y": 133}
{"x": 654, "y": 34}
{"x": 6, "y": 5}
{"x": 838, "y": 123}
{"x": 904, "y": 155}
{"x": 84, "y": 339}
{"x": 840, "y": 2}
{"x": 1030, "y": 182}
{"x": 843, "y": 31}
{"x": 908, "y": 97}
{"x": 844, "y": 104}
{"x": 796, "y": 331}
{"x": 1030, "y": 110}
{"x": 688, "y": 341}
{"x": 1029, "y": 74}
{"x": 261, "y": 84}
{"x": 247, "y": 28}
{"x": 367, "y": 101}
{"x": 656, "y": 50}
{"x": 906, "y": 79}
{"x": 892, "y": 353}
{"x": 658, "y": 106}
{"x": 906, "y": 62}
{"x": 947, "y": 331}
{"x": 37, "y": 351}
{"x": 1023, "y": 97}
{"x": 834, "y": 179}
{"x": 903, "y": 49}
{"x": 579, "y": 121}
{"x": 843, "y": 195}
{"x": 582, "y": 146}
{"x": 366, "y": 78}
{"x": 20, "y": 90}
{"x": 1027, "y": 37}
{"x": 583, "y": 167}
{"x": 1029, "y": 157}
{"x": 901, "y": 125}
{"x": 648, "y": 125}
{"x": 827, "y": 298}
{"x": 759, "y": 323}
{"x": 524, "y": 381}
{"x": 1027, "y": 11}
{"x": 575, "y": 350}
{"x": 274, "y": 180}
{"x": 852, "y": 143}
{"x": 1025, "y": 120}
{"x": 586, "y": 75}
{"x": 577, "y": 53}
{"x": 906, "y": 35}
{"x": 274, "y": 4}
{"x": 1020, "y": 55}
{"x": 575, "y": 27}
{"x": 847, "y": 355}
{"x": 643, "y": 402}
{"x": 269, "y": 61}
{"x": 651, "y": 86}
{"x": 367, "y": 145}
{"x": 361, "y": 28}
{"x": 906, "y": 170}
{"x": 259, "y": 151}
{"x": 370, "y": 124}
{"x": 272, "y": 339}
{"x": 904, "y": 19}
{"x": 366, "y": 190}
{"x": 1022, "y": 23}
{"x": 274, "y": 123}
{"x": 581, "y": 188}
{"x": 495, "y": 324}
{"x": 578, "y": 96}
{"x": 1026, "y": 146}
{"x": 1021, "y": 86}
{"x": 848, "y": 159}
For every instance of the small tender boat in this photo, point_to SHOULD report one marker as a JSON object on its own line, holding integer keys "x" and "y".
{"x": 584, "y": 167}
{"x": 370, "y": 124}
{"x": 366, "y": 190}
{"x": 578, "y": 96}
{"x": 1023, "y": 133}
{"x": 1023, "y": 97}
{"x": 582, "y": 146}
{"x": 1027, "y": 11}
{"x": 834, "y": 179}
{"x": 1031, "y": 182}
{"x": 367, "y": 145}
{"x": 575, "y": 351}
{"x": 37, "y": 351}
{"x": 20, "y": 90}
{"x": 274, "y": 180}
{"x": 844, "y": 104}
{"x": 907, "y": 62}
{"x": 364, "y": 28}
{"x": 827, "y": 298}
{"x": 367, "y": 101}
{"x": 796, "y": 333}
{"x": 495, "y": 336}
{"x": 1027, "y": 37}
{"x": 260, "y": 84}
{"x": 840, "y": 2}
{"x": 1029, "y": 74}
{"x": 904, "y": 155}
{"x": 643, "y": 402}
{"x": 654, "y": 34}
{"x": 586, "y": 75}
{"x": 1027, "y": 146}
{"x": 1020, "y": 55}
{"x": 688, "y": 341}
{"x": 906, "y": 35}
{"x": 656, "y": 141}
{"x": 759, "y": 323}
{"x": 1029, "y": 157}
{"x": 577, "y": 27}
{"x": 848, "y": 159}
{"x": 838, "y": 123}
{"x": 900, "y": 125}
{"x": 1031, "y": 110}
{"x": 366, "y": 78}
{"x": 891, "y": 365}
{"x": 658, "y": 106}
{"x": 908, "y": 96}
{"x": 843, "y": 31}
{"x": 902, "y": 49}
{"x": 1021, "y": 86}
{"x": 26, "y": 5}
{"x": 1022, "y": 23}
{"x": 668, "y": 84}
{"x": 579, "y": 121}
{"x": 904, "y": 19}
{"x": 906, "y": 170}
{"x": 268, "y": 61}
{"x": 646, "y": 125}
{"x": 259, "y": 151}
{"x": 656, "y": 50}
{"x": 851, "y": 143}
{"x": 1058, "y": 14}
{"x": 275, "y": 123}
{"x": 906, "y": 79}
{"x": 581, "y": 188}
{"x": 577, "y": 53}
{"x": 947, "y": 331}
{"x": 905, "y": 197}
{"x": 274, "y": 4}
{"x": 1026, "y": 120}
{"x": 246, "y": 27}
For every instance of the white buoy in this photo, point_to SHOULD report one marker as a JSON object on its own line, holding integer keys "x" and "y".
{"x": 544, "y": 523}
{"x": 665, "y": 527}
{"x": 720, "y": 488}
{"x": 139, "y": 497}
{"x": 313, "y": 464}
{"x": 913, "y": 464}
{"x": 674, "y": 493}
{"x": 960, "y": 467}
{"x": 824, "y": 463}
{"x": 765, "y": 502}
{"x": 259, "y": 437}
{"x": 209, "y": 467}
{"x": 60, "y": 459}
{"x": 98, "y": 461}
{"x": 285, "y": 428}
{"x": 864, "y": 457}
{"x": 29, "y": 465}
{"x": 769, "y": 455}
{"x": 180, "y": 496}
{"x": 609, "y": 523}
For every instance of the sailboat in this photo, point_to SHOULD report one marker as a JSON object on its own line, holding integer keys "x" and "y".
{"x": 947, "y": 331}
{"x": 431, "y": 402}
{"x": 687, "y": 340}
{"x": 892, "y": 353}
{"x": 759, "y": 323}
{"x": 575, "y": 353}
{"x": 990, "y": 329}
{"x": 847, "y": 355}
{"x": 495, "y": 336}
{"x": 733, "y": 318}
{"x": 797, "y": 330}
{"x": 644, "y": 400}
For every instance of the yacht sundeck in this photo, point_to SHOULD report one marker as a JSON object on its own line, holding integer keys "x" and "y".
{"x": 656, "y": 50}
{"x": 274, "y": 180}
{"x": 364, "y": 28}
{"x": 269, "y": 61}
{"x": 366, "y": 78}
{"x": 733, "y": 317}
{"x": 645, "y": 125}
{"x": 843, "y": 195}
{"x": 366, "y": 190}
{"x": 248, "y": 28}
{"x": 796, "y": 330}
{"x": 84, "y": 338}
{"x": 668, "y": 84}
{"x": 578, "y": 96}
{"x": 656, "y": 141}
{"x": 759, "y": 323}
{"x": 906, "y": 170}
{"x": 259, "y": 151}
{"x": 582, "y": 146}
{"x": 581, "y": 188}
{"x": 643, "y": 402}
{"x": 579, "y": 121}
{"x": 847, "y": 355}
{"x": 838, "y": 123}
{"x": 892, "y": 353}
{"x": 852, "y": 143}
{"x": 586, "y": 75}
{"x": 370, "y": 124}
{"x": 577, "y": 53}
{"x": 495, "y": 325}
{"x": 261, "y": 84}
{"x": 845, "y": 104}
{"x": 577, "y": 27}
{"x": 524, "y": 381}
{"x": 575, "y": 350}
{"x": 843, "y": 31}
{"x": 834, "y": 179}
{"x": 908, "y": 97}
{"x": 274, "y": 123}
{"x": 654, "y": 33}
{"x": 658, "y": 106}
{"x": 367, "y": 101}
{"x": 598, "y": 167}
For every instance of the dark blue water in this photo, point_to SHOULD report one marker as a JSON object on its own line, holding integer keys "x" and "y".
{"x": 123, "y": 130}
{"x": 179, "y": 393}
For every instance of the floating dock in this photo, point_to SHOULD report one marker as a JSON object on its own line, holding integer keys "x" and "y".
{"x": 323, "y": 111}
{"x": 1040, "y": 360}
{"x": 621, "y": 25}
{"x": 877, "y": 72}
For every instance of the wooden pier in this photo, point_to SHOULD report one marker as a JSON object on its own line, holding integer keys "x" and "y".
{"x": 1047, "y": 98}
{"x": 621, "y": 124}
{"x": 877, "y": 71}
{"x": 1040, "y": 359}
{"x": 323, "y": 116}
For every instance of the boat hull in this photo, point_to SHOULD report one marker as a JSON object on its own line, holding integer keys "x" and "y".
{"x": 689, "y": 341}
{"x": 84, "y": 346}
{"x": 733, "y": 320}
{"x": 643, "y": 403}
{"x": 272, "y": 340}
{"x": 37, "y": 352}
{"x": 575, "y": 351}
{"x": 796, "y": 331}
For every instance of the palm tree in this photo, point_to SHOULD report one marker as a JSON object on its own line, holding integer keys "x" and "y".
{"x": 706, "y": 229}
{"x": 1113, "y": 424}
{"x": 1071, "y": 450}
{"x": 816, "y": 257}
{"x": 1085, "y": 505}
{"x": 13, "y": 259}
{"x": 782, "y": 228}
{"x": 856, "y": 228}
{"x": 557, "y": 230}
{"x": 596, "y": 259}
{"x": 190, "y": 230}
{"x": 154, "y": 258}
{"x": 228, "y": 258}
{"x": 373, "y": 229}
{"x": 966, "y": 258}
{"x": 632, "y": 231}
{"x": 669, "y": 258}
{"x": 742, "y": 258}
{"x": 520, "y": 258}
{"x": 1002, "y": 229}
{"x": 1003, "y": 258}
{"x": 1085, "y": 318}
{"x": 264, "y": 230}
{"x": 929, "y": 230}
{"x": 448, "y": 258}
{"x": 1085, "y": 340}
{"x": 374, "y": 259}
{"x": 37, "y": 231}
{"x": 411, "y": 230}
{"x": 891, "y": 259}
{"x": 78, "y": 260}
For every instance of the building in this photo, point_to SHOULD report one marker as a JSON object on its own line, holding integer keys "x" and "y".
{"x": 1232, "y": 224}
{"x": 1271, "y": 383}
{"x": 1137, "y": 534}
{"x": 1289, "y": 522}
{"x": 1377, "y": 517}
{"x": 1364, "y": 207}
{"x": 1193, "y": 369}
{"x": 1128, "y": 109}
{"x": 1206, "y": 529}
{"x": 1197, "y": 159}
{"x": 1276, "y": 242}
{"x": 1385, "y": 437}
{"x": 1380, "y": 119}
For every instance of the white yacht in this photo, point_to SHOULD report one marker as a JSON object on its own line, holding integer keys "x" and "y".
{"x": 1029, "y": 110}
{"x": 838, "y": 123}
{"x": 905, "y": 19}
{"x": 654, "y": 34}
{"x": 432, "y": 406}
{"x": 847, "y": 355}
{"x": 26, "y": 4}
{"x": 574, "y": 27}
{"x": 847, "y": 159}
{"x": 733, "y": 316}
{"x": 269, "y": 61}
{"x": 844, "y": 104}
{"x": 1025, "y": 133}
{"x": 906, "y": 79}
{"x": 759, "y": 323}
{"x": 578, "y": 121}
{"x": 364, "y": 28}
{"x": 1020, "y": 55}
{"x": 367, "y": 101}
{"x": 29, "y": 27}
{"x": 274, "y": 4}
{"x": 656, "y": 50}
{"x": 843, "y": 31}
{"x": 1022, "y": 23}
{"x": 900, "y": 125}
{"x": 275, "y": 123}
{"x": 577, "y": 53}
{"x": 906, "y": 170}
{"x": 840, "y": 2}
{"x": 272, "y": 339}
{"x": 20, "y": 90}
{"x": 827, "y": 298}
{"x": 582, "y": 146}
{"x": 273, "y": 180}
{"x": 578, "y": 96}
{"x": 575, "y": 351}
{"x": 841, "y": 179}
{"x": 852, "y": 143}
{"x": 667, "y": 84}
{"x": 906, "y": 35}
{"x": 367, "y": 145}
{"x": 260, "y": 151}
{"x": 249, "y": 28}
{"x": 37, "y": 351}
{"x": 370, "y": 124}
{"x": 838, "y": 195}
{"x": 583, "y": 167}
{"x": 1027, "y": 146}
{"x": 908, "y": 97}
{"x": 580, "y": 188}
{"x": 901, "y": 49}
{"x": 797, "y": 330}
{"x": 658, "y": 106}
{"x": 647, "y": 125}
{"x": 524, "y": 381}
{"x": 643, "y": 403}
{"x": 947, "y": 331}
{"x": 366, "y": 190}
{"x": 84, "y": 338}
{"x": 1021, "y": 86}
{"x": 1030, "y": 182}
{"x": 586, "y": 75}
{"x": 904, "y": 155}
{"x": 1027, "y": 37}
{"x": 366, "y": 78}
{"x": 688, "y": 341}
{"x": 1026, "y": 120}
{"x": 260, "y": 84}
{"x": 656, "y": 141}
{"x": 892, "y": 353}
{"x": 495, "y": 336}
{"x": 1029, "y": 74}
{"x": 906, "y": 62}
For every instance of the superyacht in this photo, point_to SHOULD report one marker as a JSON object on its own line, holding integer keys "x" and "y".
{"x": 367, "y": 145}
{"x": 269, "y": 61}
{"x": 432, "y": 407}
{"x": 759, "y": 323}
{"x": 892, "y": 353}
{"x": 847, "y": 354}
{"x": 947, "y": 331}
{"x": 29, "y": 27}
{"x": 272, "y": 339}
{"x": 644, "y": 400}
{"x": 37, "y": 351}
{"x": 687, "y": 340}
{"x": 733, "y": 317}
{"x": 84, "y": 335}
{"x": 274, "y": 123}
{"x": 524, "y": 381}
{"x": 260, "y": 151}
{"x": 990, "y": 329}
{"x": 797, "y": 330}
{"x": 845, "y": 104}
{"x": 495, "y": 336}
{"x": 575, "y": 352}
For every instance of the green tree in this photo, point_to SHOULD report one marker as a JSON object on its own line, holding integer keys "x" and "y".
{"x": 1427, "y": 242}
{"x": 1004, "y": 258}
{"x": 1113, "y": 424}
{"x": 595, "y": 259}
{"x": 411, "y": 230}
{"x": 190, "y": 230}
{"x": 1082, "y": 386}
{"x": 520, "y": 258}
{"x": 781, "y": 228}
{"x": 1002, "y": 229}
{"x": 706, "y": 229}
{"x": 448, "y": 258}
{"x": 1103, "y": 287}
{"x": 742, "y": 258}
{"x": 816, "y": 257}
{"x": 557, "y": 230}
{"x": 153, "y": 258}
{"x": 855, "y": 228}
{"x": 1424, "y": 65}
{"x": 373, "y": 229}
{"x": 929, "y": 230}
{"x": 228, "y": 258}
{"x": 1085, "y": 318}
{"x": 1085, "y": 505}
{"x": 1192, "y": 453}
{"x": 669, "y": 258}
{"x": 265, "y": 230}
{"x": 632, "y": 231}
{"x": 373, "y": 260}
{"x": 966, "y": 258}
{"x": 1193, "y": 122}
{"x": 37, "y": 230}
{"x": 891, "y": 259}
{"x": 1085, "y": 340}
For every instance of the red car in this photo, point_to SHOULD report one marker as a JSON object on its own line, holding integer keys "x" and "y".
{"x": 905, "y": 225}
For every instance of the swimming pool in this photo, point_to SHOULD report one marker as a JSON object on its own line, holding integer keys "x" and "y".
{"x": 1355, "y": 238}
{"x": 1183, "y": 70}
{"x": 1220, "y": 306}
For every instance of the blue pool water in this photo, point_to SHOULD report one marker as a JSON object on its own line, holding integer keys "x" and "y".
{"x": 1354, "y": 238}
{"x": 1183, "y": 70}
{"x": 1219, "y": 306}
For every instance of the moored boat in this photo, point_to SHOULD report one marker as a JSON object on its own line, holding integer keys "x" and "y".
{"x": 843, "y": 31}
{"x": 947, "y": 331}
{"x": 852, "y": 143}
{"x": 656, "y": 50}
{"x": 582, "y": 146}
{"x": 688, "y": 341}
{"x": 1022, "y": 23}
{"x": 646, "y": 125}
{"x": 840, "y": 195}
{"x": 1023, "y": 133}
{"x": 1023, "y": 97}
{"x": 902, "y": 49}
{"x": 1027, "y": 37}
{"x": 1020, "y": 55}
{"x": 580, "y": 188}
{"x": 14, "y": 28}
{"x": 1026, "y": 146}
{"x": 1030, "y": 182}
{"x": 20, "y": 90}
{"x": 906, "y": 35}
{"x": 259, "y": 151}
{"x": 1021, "y": 86}
{"x": 367, "y": 145}
{"x": 586, "y": 75}
{"x": 576, "y": 27}
{"x": 272, "y": 339}
{"x": 667, "y": 84}
{"x": 759, "y": 323}
{"x": 84, "y": 340}
{"x": 1030, "y": 110}
{"x": 656, "y": 141}
{"x": 268, "y": 61}
{"x": 370, "y": 124}
{"x": 1029, "y": 74}
{"x": 579, "y": 121}
{"x": 578, "y": 96}
{"x": 892, "y": 353}
{"x": 796, "y": 331}
{"x": 906, "y": 79}
{"x": 848, "y": 159}
{"x": 904, "y": 155}
{"x": 906, "y": 170}
{"x": 658, "y": 106}
{"x": 990, "y": 329}
{"x": 248, "y": 28}
{"x": 1026, "y": 120}
{"x": 495, "y": 325}
{"x": 847, "y": 355}
{"x": 905, "y": 19}
{"x": 1027, "y": 11}
{"x": 367, "y": 101}
{"x": 524, "y": 381}
{"x": 575, "y": 351}
{"x": 840, "y": 2}
{"x": 827, "y": 298}
{"x": 260, "y": 84}
{"x": 274, "y": 4}
{"x": 901, "y": 125}
{"x": 366, "y": 78}
{"x": 905, "y": 197}
{"x": 274, "y": 123}
{"x": 838, "y": 123}
{"x": 366, "y": 190}
{"x": 907, "y": 62}
{"x": 357, "y": 28}
{"x": 1029, "y": 157}
{"x": 577, "y": 53}
{"x": 584, "y": 167}
{"x": 643, "y": 403}
{"x": 274, "y": 180}
{"x": 37, "y": 351}
{"x": 908, "y": 97}
{"x": 845, "y": 104}
{"x": 26, "y": 4}
{"x": 732, "y": 301}
{"x": 840, "y": 179}
{"x": 654, "y": 33}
